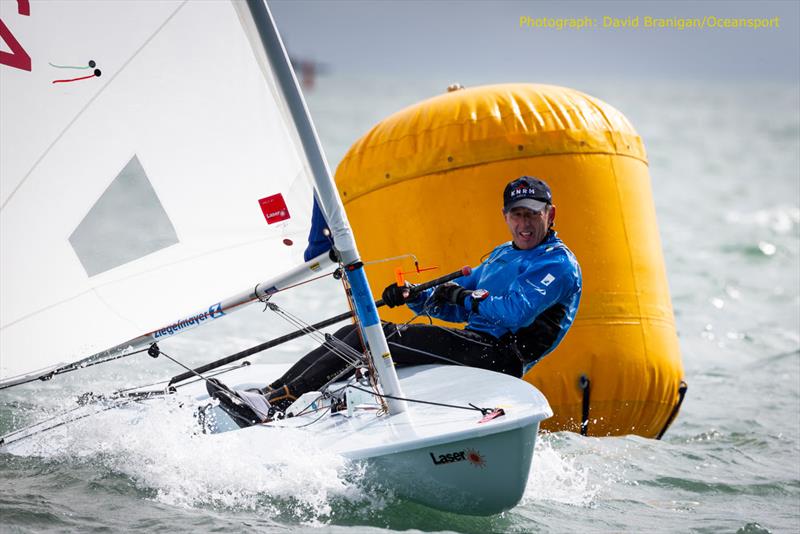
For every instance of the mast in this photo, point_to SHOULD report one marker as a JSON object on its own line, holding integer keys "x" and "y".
{"x": 330, "y": 203}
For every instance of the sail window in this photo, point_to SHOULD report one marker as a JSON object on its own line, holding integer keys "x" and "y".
{"x": 126, "y": 223}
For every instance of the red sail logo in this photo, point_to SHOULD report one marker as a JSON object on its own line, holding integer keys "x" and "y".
{"x": 274, "y": 208}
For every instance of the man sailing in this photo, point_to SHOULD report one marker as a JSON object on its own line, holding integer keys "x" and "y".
{"x": 517, "y": 304}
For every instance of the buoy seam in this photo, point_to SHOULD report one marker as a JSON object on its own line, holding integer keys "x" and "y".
{"x": 606, "y": 119}
{"x": 621, "y": 319}
{"x": 636, "y": 282}
{"x": 396, "y": 179}
{"x": 599, "y": 405}
{"x": 400, "y": 117}
{"x": 357, "y": 149}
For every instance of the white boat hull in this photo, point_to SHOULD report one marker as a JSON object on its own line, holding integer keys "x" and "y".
{"x": 442, "y": 457}
{"x": 498, "y": 464}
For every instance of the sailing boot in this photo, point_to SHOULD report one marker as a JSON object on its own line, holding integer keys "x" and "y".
{"x": 245, "y": 408}
{"x": 281, "y": 398}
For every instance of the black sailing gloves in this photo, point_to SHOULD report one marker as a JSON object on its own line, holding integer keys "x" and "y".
{"x": 393, "y": 295}
{"x": 450, "y": 293}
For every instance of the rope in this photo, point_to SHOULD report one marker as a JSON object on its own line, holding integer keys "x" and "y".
{"x": 350, "y": 356}
{"x": 484, "y": 411}
{"x": 432, "y": 355}
{"x": 450, "y": 331}
{"x": 373, "y": 375}
{"x": 335, "y": 345}
{"x": 384, "y": 260}
{"x": 314, "y": 421}
{"x": 117, "y": 403}
{"x": 207, "y": 375}
{"x": 320, "y": 277}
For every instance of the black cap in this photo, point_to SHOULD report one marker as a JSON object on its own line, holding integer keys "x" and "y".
{"x": 527, "y": 192}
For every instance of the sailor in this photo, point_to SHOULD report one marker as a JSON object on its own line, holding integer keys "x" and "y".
{"x": 517, "y": 306}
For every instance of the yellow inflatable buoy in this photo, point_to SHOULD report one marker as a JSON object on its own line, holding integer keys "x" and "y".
{"x": 428, "y": 181}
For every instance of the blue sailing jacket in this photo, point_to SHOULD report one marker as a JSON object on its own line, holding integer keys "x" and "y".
{"x": 533, "y": 297}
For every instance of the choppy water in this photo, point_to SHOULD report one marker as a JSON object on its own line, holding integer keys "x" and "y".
{"x": 725, "y": 163}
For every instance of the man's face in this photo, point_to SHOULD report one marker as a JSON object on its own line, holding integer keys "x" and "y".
{"x": 528, "y": 228}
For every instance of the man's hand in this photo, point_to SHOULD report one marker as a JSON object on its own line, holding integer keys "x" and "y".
{"x": 395, "y": 295}
{"x": 450, "y": 293}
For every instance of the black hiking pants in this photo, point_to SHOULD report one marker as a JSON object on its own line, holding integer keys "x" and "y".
{"x": 413, "y": 344}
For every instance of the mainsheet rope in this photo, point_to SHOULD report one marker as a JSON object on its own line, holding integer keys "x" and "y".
{"x": 335, "y": 345}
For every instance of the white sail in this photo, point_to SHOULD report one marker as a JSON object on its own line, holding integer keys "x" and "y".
{"x": 135, "y": 198}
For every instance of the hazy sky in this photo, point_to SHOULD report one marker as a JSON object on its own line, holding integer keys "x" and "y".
{"x": 482, "y": 40}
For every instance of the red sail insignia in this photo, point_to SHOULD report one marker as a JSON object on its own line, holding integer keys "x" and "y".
{"x": 274, "y": 208}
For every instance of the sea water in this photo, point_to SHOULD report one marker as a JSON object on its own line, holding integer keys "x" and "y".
{"x": 725, "y": 167}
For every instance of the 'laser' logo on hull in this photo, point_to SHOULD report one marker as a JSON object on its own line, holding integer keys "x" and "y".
{"x": 471, "y": 455}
